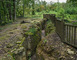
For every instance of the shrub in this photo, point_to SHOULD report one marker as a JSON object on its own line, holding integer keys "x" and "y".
{"x": 61, "y": 13}
{"x": 71, "y": 10}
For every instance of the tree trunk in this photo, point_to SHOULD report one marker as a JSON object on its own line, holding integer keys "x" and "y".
{"x": 10, "y": 11}
{"x": 0, "y": 12}
{"x": 23, "y": 8}
{"x": 33, "y": 12}
{"x": 14, "y": 10}
{"x": 7, "y": 11}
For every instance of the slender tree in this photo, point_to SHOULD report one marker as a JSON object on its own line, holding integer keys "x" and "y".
{"x": 14, "y": 10}
{"x": 33, "y": 11}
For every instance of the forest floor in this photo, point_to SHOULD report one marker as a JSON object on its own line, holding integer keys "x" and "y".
{"x": 7, "y": 33}
{"x": 12, "y": 33}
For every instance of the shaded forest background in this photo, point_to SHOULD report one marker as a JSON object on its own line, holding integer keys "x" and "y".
{"x": 12, "y": 9}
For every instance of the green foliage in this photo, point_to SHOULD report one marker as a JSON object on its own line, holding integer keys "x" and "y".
{"x": 75, "y": 23}
{"x": 30, "y": 58}
{"x": 28, "y": 7}
{"x": 61, "y": 13}
{"x": 32, "y": 30}
{"x": 6, "y": 12}
{"x": 71, "y": 17}
{"x": 66, "y": 10}
{"x": 71, "y": 10}
{"x": 49, "y": 28}
{"x": 45, "y": 41}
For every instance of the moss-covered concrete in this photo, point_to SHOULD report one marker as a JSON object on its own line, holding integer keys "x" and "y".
{"x": 49, "y": 27}
{"x": 33, "y": 37}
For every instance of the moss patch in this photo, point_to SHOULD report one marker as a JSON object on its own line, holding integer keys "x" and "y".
{"x": 49, "y": 27}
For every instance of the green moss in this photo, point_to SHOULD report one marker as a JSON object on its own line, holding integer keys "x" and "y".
{"x": 10, "y": 45}
{"x": 45, "y": 41}
{"x": 30, "y": 58}
{"x": 23, "y": 26}
{"x": 36, "y": 38}
{"x": 48, "y": 21}
{"x": 75, "y": 23}
{"x": 18, "y": 42}
{"x": 22, "y": 40}
{"x": 12, "y": 54}
{"x": 31, "y": 31}
{"x": 49, "y": 27}
{"x": 3, "y": 37}
{"x": 29, "y": 53}
{"x": 17, "y": 50}
{"x": 28, "y": 33}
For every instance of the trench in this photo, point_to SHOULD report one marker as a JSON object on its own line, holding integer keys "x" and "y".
{"x": 43, "y": 33}
{"x": 43, "y": 29}
{"x": 34, "y": 57}
{"x": 56, "y": 43}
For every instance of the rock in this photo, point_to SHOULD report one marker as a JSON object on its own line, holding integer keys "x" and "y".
{"x": 72, "y": 57}
{"x": 6, "y": 49}
{"x": 21, "y": 49}
{"x": 61, "y": 57}
{"x": 16, "y": 51}
{"x": 70, "y": 51}
{"x": 8, "y": 57}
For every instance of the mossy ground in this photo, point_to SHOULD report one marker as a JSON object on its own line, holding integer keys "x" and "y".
{"x": 11, "y": 34}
